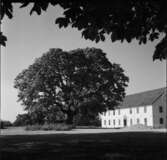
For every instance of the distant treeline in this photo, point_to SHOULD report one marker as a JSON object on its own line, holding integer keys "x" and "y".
{"x": 4, "y": 124}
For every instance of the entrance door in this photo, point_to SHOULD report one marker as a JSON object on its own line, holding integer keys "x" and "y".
{"x": 125, "y": 122}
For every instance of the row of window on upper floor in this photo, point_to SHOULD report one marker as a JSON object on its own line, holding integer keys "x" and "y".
{"x": 131, "y": 111}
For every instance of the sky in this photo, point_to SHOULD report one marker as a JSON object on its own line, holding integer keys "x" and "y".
{"x": 31, "y": 36}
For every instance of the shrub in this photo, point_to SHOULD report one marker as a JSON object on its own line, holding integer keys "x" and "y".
{"x": 64, "y": 127}
{"x": 22, "y": 120}
{"x": 33, "y": 127}
{"x": 85, "y": 120}
{"x": 1, "y": 125}
{"x": 4, "y": 124}
{"x": 87, "y": 127}
{"x": 46, "y": 127}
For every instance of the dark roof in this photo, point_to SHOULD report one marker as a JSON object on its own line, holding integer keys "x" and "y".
{"x": 142, "y": 99}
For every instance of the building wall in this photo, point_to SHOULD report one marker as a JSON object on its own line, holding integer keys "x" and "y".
{"x": 160, "y": 113}
{"x": 127, "y": 117}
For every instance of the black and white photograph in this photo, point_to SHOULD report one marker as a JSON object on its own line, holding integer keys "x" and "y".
{"x": 83, "y": 80}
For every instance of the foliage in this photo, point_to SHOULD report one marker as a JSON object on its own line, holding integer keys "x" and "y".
{"x": 22, "y": 120}
{"x": 88, "y": 122}
{"x": 3, "y": 39}
{"x": 89, "y": 114}
{"x": 57, "y": 85}
{"x": 4, "y": 124}
{"x": 46, "y": 127}
{"x": 35, "y": 117}
{"x": 122, "y": 20}
{"x": 88, "y": 127}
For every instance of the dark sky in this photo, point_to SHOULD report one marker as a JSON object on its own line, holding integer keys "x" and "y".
{"x": 31, "y": 36}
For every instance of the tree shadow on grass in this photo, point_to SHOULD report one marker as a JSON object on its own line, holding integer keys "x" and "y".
{"x": 103, "y": 146}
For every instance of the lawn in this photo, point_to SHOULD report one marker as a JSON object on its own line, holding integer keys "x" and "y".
{"x": 94, "y": 146}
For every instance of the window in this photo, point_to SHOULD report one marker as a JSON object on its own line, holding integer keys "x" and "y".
{"x": 145, "y": 109}
{"x": 109, "y": 123}
{"x": 137, "y": 110}
{"x": 131, "y": 122}
{"x": 104, "y": 113}
{"x": 108, "y": 113}
{"x": 119, "y": 122}
{"x": 104, "y": 122}
{"x": 138, "y": 120}
{"x": 114, "y": 122}
{"x": 119, "y": 111}
{"x": 160, "y": 109}
{"x": 130, "y": 111}
{"x": 113, "y": 112}
{"x": 145, "y": 121}
{"x": 161, "y": 120}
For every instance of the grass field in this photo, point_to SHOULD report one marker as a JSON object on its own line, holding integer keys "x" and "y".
{"x": 94, "y": 146}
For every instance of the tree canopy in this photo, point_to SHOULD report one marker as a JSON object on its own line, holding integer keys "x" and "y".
{"x": 59, "y": 84}
{"x": 121, "y": 20}
{"x": 22, "y": 120}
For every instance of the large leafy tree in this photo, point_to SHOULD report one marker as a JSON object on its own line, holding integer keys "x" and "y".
{"x": 58, "y": 84}
{"x": 120, "y": 19}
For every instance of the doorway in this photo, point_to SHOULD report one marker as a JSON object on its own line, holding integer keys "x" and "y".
{"x": 125, "y": 122}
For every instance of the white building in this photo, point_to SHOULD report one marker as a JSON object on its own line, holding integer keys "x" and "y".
{"x": 147, "y": 108}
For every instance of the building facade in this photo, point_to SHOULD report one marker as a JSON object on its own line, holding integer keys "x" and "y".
{"x": 147, "y": 108}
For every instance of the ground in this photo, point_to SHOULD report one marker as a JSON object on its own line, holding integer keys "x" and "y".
{"x": 85, "y": 144}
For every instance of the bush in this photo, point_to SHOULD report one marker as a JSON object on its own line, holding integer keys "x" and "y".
{"x": 64, "y": 127}
{"x": 46, "y": 127}
{"x": 1, "y": 125}
{"x": 22, "y": 120}
{"x": 34, "y": 127}
{"x": 85, "y": 120}
{"x": 87, "y": 127}
{"x": 5, "y": 124}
